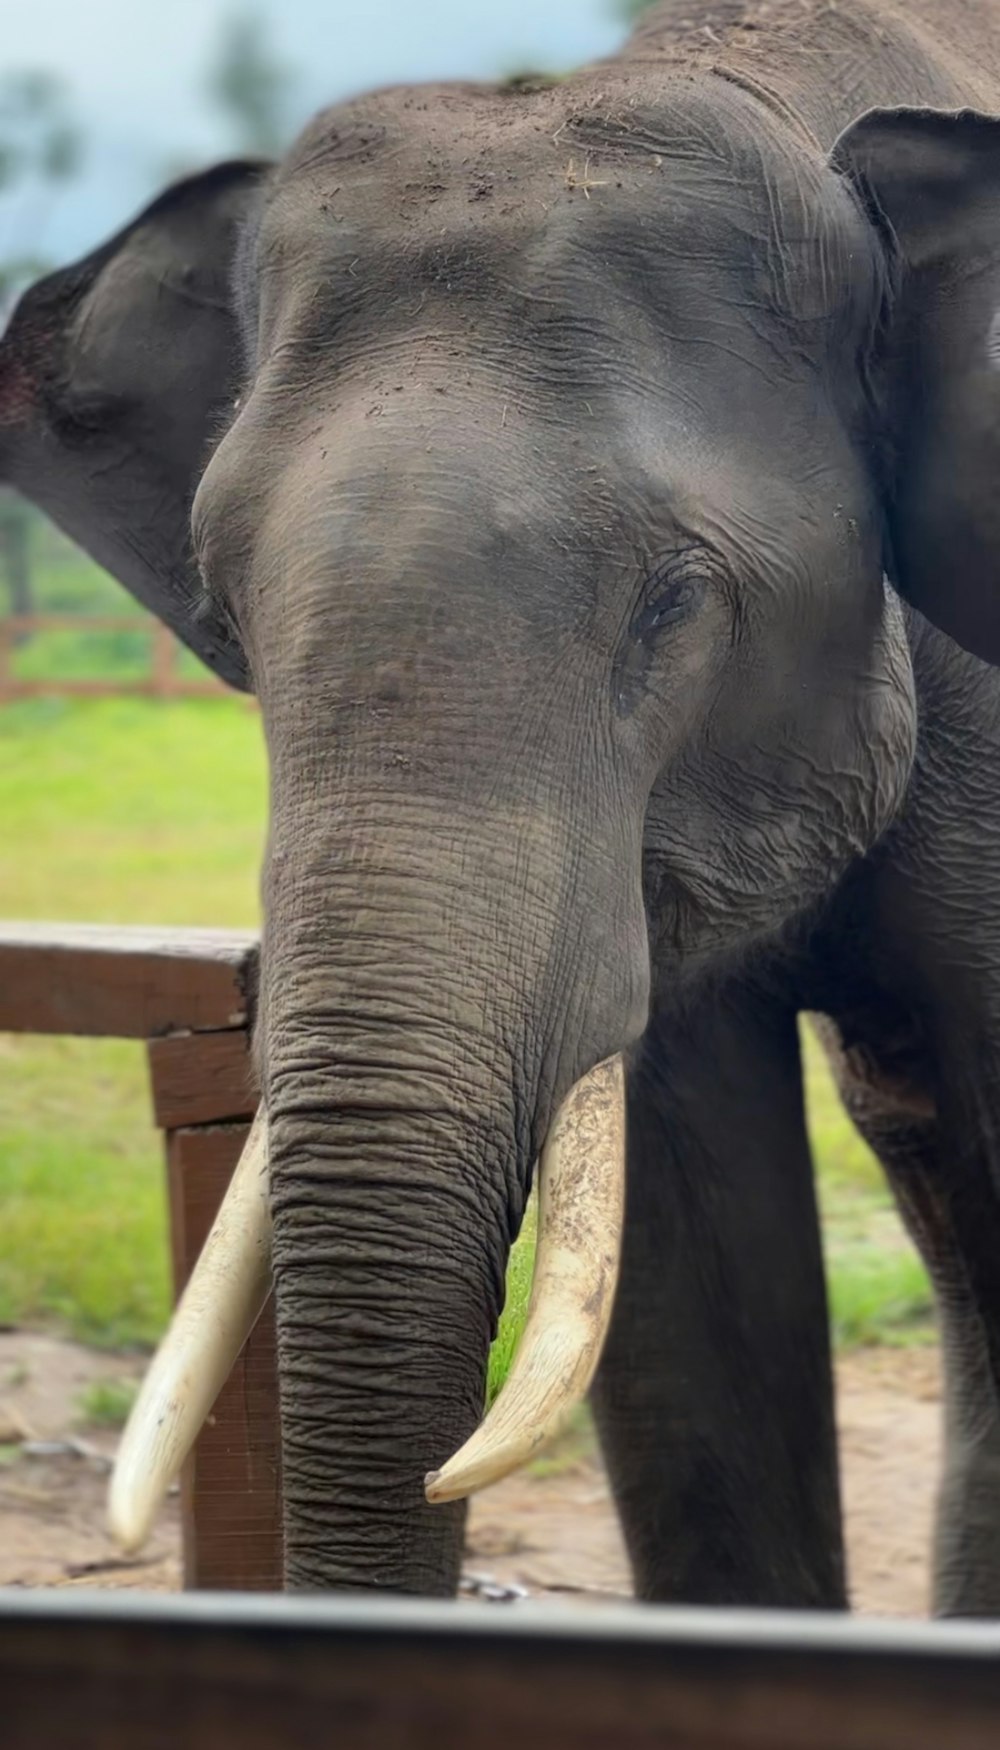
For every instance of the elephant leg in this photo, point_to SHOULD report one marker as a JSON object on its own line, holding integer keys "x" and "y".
{"x": 714, "y": 1399}
{"x": 942, "y": 1160}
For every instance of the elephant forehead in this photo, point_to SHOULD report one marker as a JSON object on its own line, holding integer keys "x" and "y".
{"x": 442, "y": 196}
{"x": 426, "y": 140}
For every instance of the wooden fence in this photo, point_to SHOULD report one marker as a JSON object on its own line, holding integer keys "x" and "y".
{"x": 162, "y": 679}
{"x": 96, "y": 1671}
{"x": 189, "y": 994}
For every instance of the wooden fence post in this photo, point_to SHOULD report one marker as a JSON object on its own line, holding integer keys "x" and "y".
{"x": 203, "y": 1097}
{"x": 189, "y": 995}
{"x": 231, "y": 1485}
{"x": 164, "y": 681}
{"x": 6, "y": 640}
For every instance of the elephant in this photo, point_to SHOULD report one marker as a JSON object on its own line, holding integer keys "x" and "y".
{"x": 594, "y": 479}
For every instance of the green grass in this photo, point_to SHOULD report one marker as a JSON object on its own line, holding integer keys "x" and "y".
{"x": 129, "y": 811}
{"x": 880, "y": 1297}
{"x": 83, "y": 1236}
{"x": 126, "y": 811}
{"x": 106, "y": 1403}
{"x": 116, "y": 811}
{"x": 879, "y": 1292}
{"x": 515, "y": 1308}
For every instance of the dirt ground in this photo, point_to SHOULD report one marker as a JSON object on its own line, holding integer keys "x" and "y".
{"x": 551, "y": 1533}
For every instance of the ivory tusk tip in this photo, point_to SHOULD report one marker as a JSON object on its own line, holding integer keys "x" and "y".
{"x": 581, "y": 1188}
{"x": 483, "y": 1461}
{"x": 456, "y": 1481}
{"x": 129, "y": 1522}
{"x": 432, "y": 1488}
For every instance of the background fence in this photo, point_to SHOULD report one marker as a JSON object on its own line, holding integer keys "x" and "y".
{"x": 163, "y": 676}
{"x": 67, "y": 628}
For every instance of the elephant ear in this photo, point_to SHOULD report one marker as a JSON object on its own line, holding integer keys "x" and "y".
{"x": 931, "y": 183}
{"x": 115, "y": 378}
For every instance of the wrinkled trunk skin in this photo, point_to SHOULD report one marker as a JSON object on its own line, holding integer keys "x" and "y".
{"x": 411, "y": 965}
{"x": 389, "y": 1273}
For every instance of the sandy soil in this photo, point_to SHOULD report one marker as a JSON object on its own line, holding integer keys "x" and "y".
{"x": 553, "y": 1534}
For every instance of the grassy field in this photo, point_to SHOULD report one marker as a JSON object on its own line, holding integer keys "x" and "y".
{"x": 136, "y": 812}
{"x": 117, "y": 811}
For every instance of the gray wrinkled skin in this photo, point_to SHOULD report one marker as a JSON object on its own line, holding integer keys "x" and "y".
{"x": 538, "y": 455}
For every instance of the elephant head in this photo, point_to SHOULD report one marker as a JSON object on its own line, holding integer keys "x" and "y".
{"x": 538, "y": 458}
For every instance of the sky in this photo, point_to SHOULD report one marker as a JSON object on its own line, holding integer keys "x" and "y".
{"x": 136, "y": 73}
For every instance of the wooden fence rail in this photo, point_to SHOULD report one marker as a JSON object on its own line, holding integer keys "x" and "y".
{"x": 162, "y": 680}
{"x": 189, "y": 995}
{"x": 137, "y": 1672}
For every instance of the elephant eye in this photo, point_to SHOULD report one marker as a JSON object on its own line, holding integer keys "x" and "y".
{"x": 673, "y": 594}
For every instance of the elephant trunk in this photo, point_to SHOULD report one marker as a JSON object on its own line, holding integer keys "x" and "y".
{"x": 408, "y": 1088}
{"x": 396, "y": 1193}
{"x": 388, "y": 1257}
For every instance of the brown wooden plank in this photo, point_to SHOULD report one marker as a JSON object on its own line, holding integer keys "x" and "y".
{"x": 57, "y": 687}
{"x": 163, "y": 657}
{"x": 145, "y": 1673}
{"x": 23, "y": 625}
{"x": 6, "y": 645}
{"x": 202, "y": 1078}
{"x": 162, "y": 680}
{"x": 127, "y": 983}
{"x": 231, "y": 1488}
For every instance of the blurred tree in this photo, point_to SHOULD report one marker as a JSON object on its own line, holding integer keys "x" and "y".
{"x": 629, "y": 9}
{"x": 252, "y": 86}
{"x": 40, "y": 148}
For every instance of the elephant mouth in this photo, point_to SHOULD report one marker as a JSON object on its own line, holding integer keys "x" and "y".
{"x": 581, "y": 1205}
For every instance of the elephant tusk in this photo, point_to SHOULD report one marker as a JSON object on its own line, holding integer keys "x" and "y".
{"x": 581, "y": 1204}
{"x": 213, "y": 1319}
